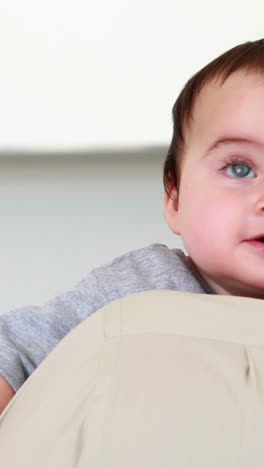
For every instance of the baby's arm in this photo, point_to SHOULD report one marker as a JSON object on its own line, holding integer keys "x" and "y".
{"x": 6, "y": 393}
{"x": 28, "y": 335}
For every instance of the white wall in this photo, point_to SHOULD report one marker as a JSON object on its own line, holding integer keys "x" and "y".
{"x": 77, "y": 73}
{"x": 62, "y": 216}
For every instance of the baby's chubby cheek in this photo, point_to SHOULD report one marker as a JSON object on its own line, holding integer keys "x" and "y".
{"x": 208, "y": 221}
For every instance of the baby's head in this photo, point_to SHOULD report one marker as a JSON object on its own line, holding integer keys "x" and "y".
{"x": 214, "y": 171}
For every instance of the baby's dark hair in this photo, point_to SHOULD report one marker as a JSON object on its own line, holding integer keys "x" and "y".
{"x": 248, "y": 56}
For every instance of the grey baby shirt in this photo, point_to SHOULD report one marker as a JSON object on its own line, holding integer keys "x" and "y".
{"x": 27, "y": 335}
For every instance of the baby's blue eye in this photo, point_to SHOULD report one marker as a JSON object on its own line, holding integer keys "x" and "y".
{"x": 240, "y": 170}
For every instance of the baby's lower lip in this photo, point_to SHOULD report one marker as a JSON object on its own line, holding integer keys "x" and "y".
{"x": 257, "y": 244}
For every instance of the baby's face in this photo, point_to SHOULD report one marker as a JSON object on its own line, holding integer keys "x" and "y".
{"x": 221, "y": 198}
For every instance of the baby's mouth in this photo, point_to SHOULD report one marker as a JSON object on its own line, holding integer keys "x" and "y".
{"x": 259, "y": 238}
{"x": 256, "y": 242}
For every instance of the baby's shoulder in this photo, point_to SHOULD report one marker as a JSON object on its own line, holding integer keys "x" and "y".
{"x": 139, "y": 260}
{"x": 151, "y": 267}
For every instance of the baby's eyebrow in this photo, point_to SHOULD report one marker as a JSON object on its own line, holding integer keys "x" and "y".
{"x": 228, "y": 141}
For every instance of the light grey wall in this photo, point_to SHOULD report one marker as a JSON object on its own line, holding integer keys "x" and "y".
{"x": 63, "y": 215}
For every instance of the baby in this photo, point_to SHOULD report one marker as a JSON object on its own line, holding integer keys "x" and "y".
{"x": 214, "y": 184}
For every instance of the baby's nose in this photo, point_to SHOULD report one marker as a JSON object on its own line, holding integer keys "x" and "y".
{"x": 257, "y": 196}
{"x": 260, "y": 202}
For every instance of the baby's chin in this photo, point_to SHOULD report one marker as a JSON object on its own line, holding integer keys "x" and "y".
{"x": 244, "y": 286}
{"x": 232, "y": 278}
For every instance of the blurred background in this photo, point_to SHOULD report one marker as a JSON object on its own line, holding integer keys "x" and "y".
{"x": 86, "y": 92}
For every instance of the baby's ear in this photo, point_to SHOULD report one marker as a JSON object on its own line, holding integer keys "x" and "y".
{"x": 171, "y": 209}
